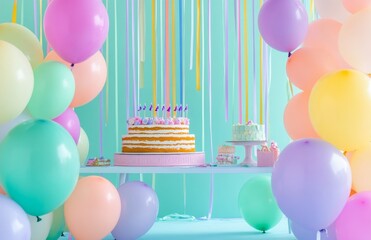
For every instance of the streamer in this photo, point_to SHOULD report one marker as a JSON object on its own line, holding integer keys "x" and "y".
{"x": 14, "y": 12}
{"x": 173, "y": 45}
{"x": 198, "y": 36}
{"x": 133, "y": 60}
{"x": 226, "y": 58}
{"x": 246, "y": 62}
{"x": 154, "y": 74}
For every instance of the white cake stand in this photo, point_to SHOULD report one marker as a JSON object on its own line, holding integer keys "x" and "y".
{"x": 248, "y": 161}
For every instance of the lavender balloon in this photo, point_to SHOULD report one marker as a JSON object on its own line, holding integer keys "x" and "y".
{"x": 283, "y": 24}
{"x": 70, "y": 121}
{"x": 305, "y": 234}
{"x": 311, "y": 181}
{"x": 138, "y": 212}
{"x": 14, "y": 223}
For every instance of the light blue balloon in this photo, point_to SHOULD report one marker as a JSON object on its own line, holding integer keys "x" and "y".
{"x": 39, "y": 165}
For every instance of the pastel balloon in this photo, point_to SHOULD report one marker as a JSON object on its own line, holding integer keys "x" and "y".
{"x": 354, "y": 41}
{"x": 257, "y": 204}
{"x": 39, "y": 165}
{"x": 13, "y": 215}
{"x": 2, "y": 191}
{"x": 307, "y": 234}
{"x": 360, "y": 163}
{"x": 58, "y": 223}
{"x": 283, "y": 24}
{"x": 296, "y": 118}
{"x": 354, "y": 6}
{"x": 323, "y": 34}
{"x": 139, "y": 210}
{"x": 54, "y": 90}
{"x": 90, "y": 77}
{"x": 311, "y": 182}
{"x": 333, "y": 9}
{"x": 6, "y": 127}
{"x": 83, "y": 146}
{"x": 25, "y": 40}
{"x": 75, "y": 36}
{"x": 16, "y": 82}
{"x": 340, "y": 109}
{"x": 355, "y": 219}
{"x": 70, "y": 121}
{"x": 40, "y": 228}
{"x": 93, "y": 209}
{"x": 304, "y": 68}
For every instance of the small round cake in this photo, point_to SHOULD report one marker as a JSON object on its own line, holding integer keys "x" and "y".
{"x": 248, "y": 132}
{"x": 226, "y": 155}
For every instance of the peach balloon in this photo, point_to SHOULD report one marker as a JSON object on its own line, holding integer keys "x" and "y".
{"x": 360, "y": 163}
{"x": 354, "y": 6}
{"x": 306, "y": 66}
{"x": 93, "y": 209}
{"x": 323, "y": 34}
{"x": 333, "y": 9}
{"x": 296, "y": 118}
{"x": 90, "y": 77}
{"x": 2, "y": 191}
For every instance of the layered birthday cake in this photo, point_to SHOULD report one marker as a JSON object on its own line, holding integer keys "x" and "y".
{"x": 248, "y": 132}
{"x": 226, "y": 155}
{"x": 158, "y": 135}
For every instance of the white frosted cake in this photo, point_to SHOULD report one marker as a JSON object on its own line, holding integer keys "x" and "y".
{"x": 248, "y": 132}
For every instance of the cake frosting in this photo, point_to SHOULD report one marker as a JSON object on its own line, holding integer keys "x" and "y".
{"x": 226, "y": 155}
{"x": 248, "y": 132}
{"x": 158, "y": 135}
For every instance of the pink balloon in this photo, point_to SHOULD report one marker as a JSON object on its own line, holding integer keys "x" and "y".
{"x": 354, "y": 6}
{"x": 355, "y": 220}
{"x": 76, "y": 29}
{"x": 70, "y": 121}
{"x": 90, "y": 77}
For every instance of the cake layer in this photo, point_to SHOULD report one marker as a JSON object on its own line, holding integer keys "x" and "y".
{"x": 253, "y": 132}
{"x": 157, "y": 148}
{"x": 158, "y": 129}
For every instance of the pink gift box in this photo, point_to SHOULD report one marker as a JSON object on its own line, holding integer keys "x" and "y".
{"x": 266, "y": 158}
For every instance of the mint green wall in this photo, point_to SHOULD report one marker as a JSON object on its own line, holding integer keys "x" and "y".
{"x": 170, "y": 187}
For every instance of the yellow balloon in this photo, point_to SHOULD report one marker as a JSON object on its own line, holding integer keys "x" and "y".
{"x": 340, "y": 109}
{"x": 360, "y": 163}
{"x": 16, "y": 82}
{"x": 22, "y": 38}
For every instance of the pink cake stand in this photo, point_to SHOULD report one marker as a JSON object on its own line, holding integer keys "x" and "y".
{"x": 159, "y": 159}
{"x": 248, "y": 161}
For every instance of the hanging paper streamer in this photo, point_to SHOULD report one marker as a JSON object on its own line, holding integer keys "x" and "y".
{"x": 154, "y": 74}
{"x": 127, "y": 61}
{"x": 133, "y": 59}
{"x": 22, "y": 12}
{"x": 173, "y": 32}
{"x": 181, "y": 51}
{"x": 107, "y": 81}
{"x": 47, "y": 43}
{"x": 261, "y": 75}
{"x": 254, "y": 61}
{"x": 239, "y": 63}
{"x": 41, "y": 22}
{"x": 226, "y": 58}
{"x": 210, "y": 112}
{"x": 142, "y": 22}
{"x": 14, "y": 12}
{"x": 167, "y": 56}
{"x": 162, "y": 54}
{"x": 245, "y": 28}
{"x": 101, "y": 124}
{"x": 192, "y": 34}
{"x": 198, "y": 36}
{"x": 266, "y": 76}
{"x": 203, "y": 78}
{"x": 35, "y": 18}
{"x": 116, "y": 81}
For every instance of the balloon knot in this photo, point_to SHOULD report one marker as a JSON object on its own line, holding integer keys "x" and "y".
{"x": 72, "y": 65}
{"x": 289, "y": 55}
{"x": 38, "y": 218}
{"x": 322, "y": 230}
{"x": 62, "y": 234}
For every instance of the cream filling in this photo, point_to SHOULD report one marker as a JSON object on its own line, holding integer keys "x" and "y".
{"x": 161, "y": 147}
{"x": 171, "y": 131}
{"x": 158, "y": 142}
{"x": 159, "y": 136}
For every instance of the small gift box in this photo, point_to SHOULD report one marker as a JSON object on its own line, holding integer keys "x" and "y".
{"x": 267, "y": 156}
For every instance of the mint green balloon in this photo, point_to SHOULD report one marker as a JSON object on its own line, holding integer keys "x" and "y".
{"x": 39, "y": 165}
{"x": 53, "y": 92}
{"x": 258, "y": 205}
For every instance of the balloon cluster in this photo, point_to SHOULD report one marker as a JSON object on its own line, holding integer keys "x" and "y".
{"x": 329, "y": 121}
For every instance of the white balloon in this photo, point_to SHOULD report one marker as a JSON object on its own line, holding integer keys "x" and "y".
{"x": 40, "y": 230}
{"x": 83, "y": 146}
{"x": 333, "y": 9}
{"x": 6, "y": 127}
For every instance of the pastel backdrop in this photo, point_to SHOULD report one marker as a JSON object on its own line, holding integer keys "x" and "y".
{"x": 104, "y": 119}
